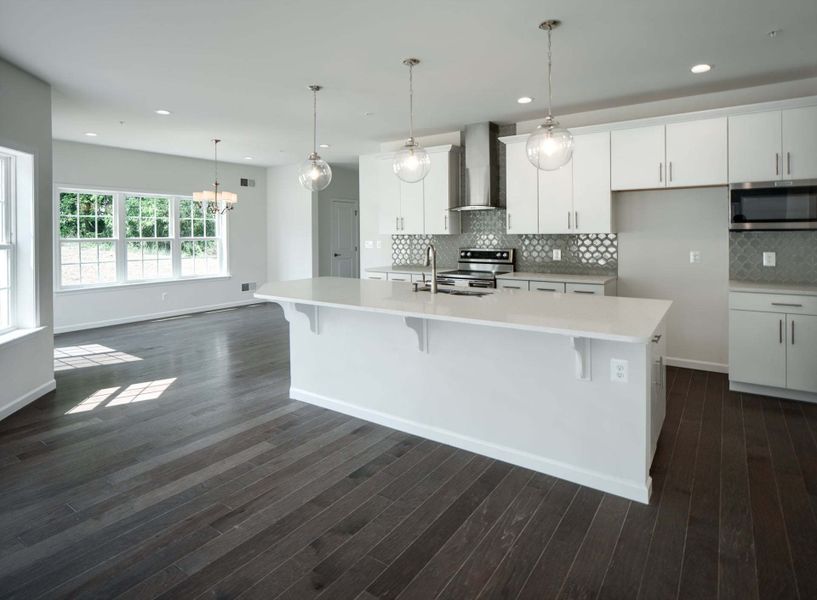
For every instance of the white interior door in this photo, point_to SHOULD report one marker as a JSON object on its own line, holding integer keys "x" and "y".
{"x": 344, "y": 242}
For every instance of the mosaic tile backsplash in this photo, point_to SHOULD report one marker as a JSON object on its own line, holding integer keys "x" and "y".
{"x": 796, "y": 256}
{"x": 591, "y": 254}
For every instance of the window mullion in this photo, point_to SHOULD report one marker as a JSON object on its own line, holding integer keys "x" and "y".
{"x": 175, "y": 244}
{"x": 120, "y": 233}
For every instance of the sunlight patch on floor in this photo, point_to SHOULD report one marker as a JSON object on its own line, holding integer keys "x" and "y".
{"x": 90, "y": 355}
{"x": 136, "y": 392}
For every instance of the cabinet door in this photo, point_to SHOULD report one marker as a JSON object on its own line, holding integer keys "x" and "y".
{"x": 801, "y": 359}
{"x": 757, "y": 347}
{"x": 754, "y": 147}
{"x": 637, "y": 158}
{"x": 412, "y": 207}
{"x": 696, "y": 153}
{"x": 522, "y": 197}
{"x": 800, "y": 143}
{"x": 388, "y": 198}
{"x": 584, "y": 288}
{"x": 439, "y": 191}
{"x": 592, "y": 199}
{"x": 556, "y": 200}
{"x": 547, "y": 286}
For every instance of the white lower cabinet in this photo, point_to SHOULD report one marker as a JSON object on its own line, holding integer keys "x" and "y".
{"x": 375, "y": 275}
{"x": 774, "y": 347}
{"x": 512, "y": 284}
{"x": 547, "y": 286}
{"x": 400, "y": 277}
{"x": 757, "y": 347}
{"x": 801, "y": 353}
{"x": 584, "y": 288}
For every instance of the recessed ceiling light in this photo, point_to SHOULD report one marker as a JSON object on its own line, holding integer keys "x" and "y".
{"x": 525, "y": 100}
{"x": 324, "y": 145}
{"x": 702, "y": 68}
{"x": 248, "y": 158}
{"x": 90, "y": 134}
{"x": 162, "y": 111}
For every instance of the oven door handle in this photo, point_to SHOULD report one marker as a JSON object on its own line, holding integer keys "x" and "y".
{"x": 480, "y": 284}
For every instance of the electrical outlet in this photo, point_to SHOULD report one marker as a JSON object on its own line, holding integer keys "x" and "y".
{"x": 379, "y": 244}
{"x": 368, "y": 244}
{"x": 164, "y": 296}
{"x": 694, "y": 257}
{"x": 619, "y": 370}
{"x": 557, "y": 254}
{"x": 769, "y": 259}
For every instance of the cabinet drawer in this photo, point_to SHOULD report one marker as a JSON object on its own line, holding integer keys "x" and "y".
{"x": 782, "y": 303}
{"x": 584, "y": 288}
{"x": 400, "y": 277}
{"x": 512, "y": 284}
{"x": 547, "y": 286}
{"x": 373, "y": 275}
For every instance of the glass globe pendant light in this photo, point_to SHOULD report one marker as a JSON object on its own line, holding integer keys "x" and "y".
{"x": 412, "y": 162}
{"x": 550, "y": 146}
{"x": 315, "y": 174}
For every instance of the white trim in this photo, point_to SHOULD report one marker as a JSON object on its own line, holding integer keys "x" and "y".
{"x": 152, "y": 316}
{"x": 698, "y": 365}
{"x": 593, "y": 479}
{"x": 764, "y": 390}
{"x": 15, "y": 335}
{"x": 135, "y": 284}
{"x": 27, "y": 398}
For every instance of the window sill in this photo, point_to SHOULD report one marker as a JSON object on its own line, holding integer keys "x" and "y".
{"x": 15, "y": 335}
{"x": 139, "y": 284}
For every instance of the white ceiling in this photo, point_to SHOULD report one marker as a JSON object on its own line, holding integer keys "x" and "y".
{"x": 239, "y": 69}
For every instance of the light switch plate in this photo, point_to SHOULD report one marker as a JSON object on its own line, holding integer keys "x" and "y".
{"x": 557, "y": 254}
{"x": 619, "y": 370}
{"x": 694, "y": 257}
{"x": 368, "y": 244}
{"x": 769, "y": 259}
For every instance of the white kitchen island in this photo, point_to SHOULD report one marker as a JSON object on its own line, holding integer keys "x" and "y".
{"x": 518, "y": 376}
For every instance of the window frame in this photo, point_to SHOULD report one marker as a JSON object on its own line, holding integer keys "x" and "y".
{"x": 121, "y": 240}
{"x": 8, "y": 233}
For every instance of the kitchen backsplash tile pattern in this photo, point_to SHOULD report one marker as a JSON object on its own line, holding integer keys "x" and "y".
{"x": 595, "y": 254}
{"x": 796, "y": 256}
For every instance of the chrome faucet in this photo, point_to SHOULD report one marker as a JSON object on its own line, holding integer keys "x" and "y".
{"x": 431, "y": 258}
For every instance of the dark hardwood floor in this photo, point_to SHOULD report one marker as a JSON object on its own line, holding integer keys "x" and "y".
{"x": 180, "y": 469}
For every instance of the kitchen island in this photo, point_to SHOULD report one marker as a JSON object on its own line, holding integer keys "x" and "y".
{"x": 521, "y": 377}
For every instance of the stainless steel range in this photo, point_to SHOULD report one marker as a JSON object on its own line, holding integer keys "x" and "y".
{"x": 478, "y": 267}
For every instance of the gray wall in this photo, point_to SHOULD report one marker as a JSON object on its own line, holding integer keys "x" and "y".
{"x": 345, "y": 186}
{"x": 657, "y": 229}
{"x": 26, "y": 364}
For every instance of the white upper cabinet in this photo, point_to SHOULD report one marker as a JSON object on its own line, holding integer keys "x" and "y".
{"x": 591, "y": 183}
{"x": 755, "y": 147}
{"x": 521, "y": 190}
{"x": 799, "y": 156}
{"x": 637, "y": 158}
{"x": 441, "y": 193}
{"x": 421, "y": 207}
{"x": 696, "y": 153}
{"x": 388, "y": 190}
{"x": 412, "y": 209}
{"x": 556, "y": 200}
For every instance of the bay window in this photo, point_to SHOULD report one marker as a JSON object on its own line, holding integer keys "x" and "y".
{"x": 109, "y": 238}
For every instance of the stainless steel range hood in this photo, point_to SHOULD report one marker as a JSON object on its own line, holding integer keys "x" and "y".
{"x": 481, "y": 168}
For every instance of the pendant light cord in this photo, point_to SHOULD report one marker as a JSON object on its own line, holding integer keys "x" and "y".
{"x": 411, "y": 101}
{"x": 550, "y": 74}
{"x": 314, "y": 121}
{"x": 215, "y": 161}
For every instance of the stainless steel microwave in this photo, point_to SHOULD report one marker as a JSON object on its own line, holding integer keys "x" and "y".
{"x": 773, "y": 205}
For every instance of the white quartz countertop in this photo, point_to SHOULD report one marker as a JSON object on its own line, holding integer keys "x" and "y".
{"x": 600, "y": 317}
{"x": 561, "y": 277}
{"x": 793, "y": 289}
{"x": 407, "y": 269}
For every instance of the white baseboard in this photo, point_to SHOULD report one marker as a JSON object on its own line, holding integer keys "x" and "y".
{"x": 152, "y": 316}
{"x": 764, "y": 390}
{"x": 613, "y": 485}
{"x": 27, "y": 398}
{"x": 698, "y": 365}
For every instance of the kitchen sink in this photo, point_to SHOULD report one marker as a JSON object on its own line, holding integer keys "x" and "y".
{"x": 453, "y": 291}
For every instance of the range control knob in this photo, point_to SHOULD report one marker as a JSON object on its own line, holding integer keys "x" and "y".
{"x": 504, "y": 255}
{"x": 499, "y": 254}
{"x": 467, "y": 254}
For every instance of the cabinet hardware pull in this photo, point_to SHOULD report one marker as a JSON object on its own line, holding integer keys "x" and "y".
{"x": 446, "y": 221}
{"x": 788, "y": 162}
{"x": 576, "y": 219}
{"x": 792, "y": 332}
{"x": 660, "y": 171}
{"x": 545, "y": 289}
{"x": 776, "y": 163}
{"x": 397, "y": 223}
{"x": 583, "y": 292}
{"x": 670, "y": 171}
{"x": 787, "y": 304}
{"x": 509, "y": 221}
{"x": 512, "y": 287}
{"x": 568, "y": 219}
{"x": 656, "y": 338}
{"x": 402, "y": 223}
{"x": 780, "y": 331}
